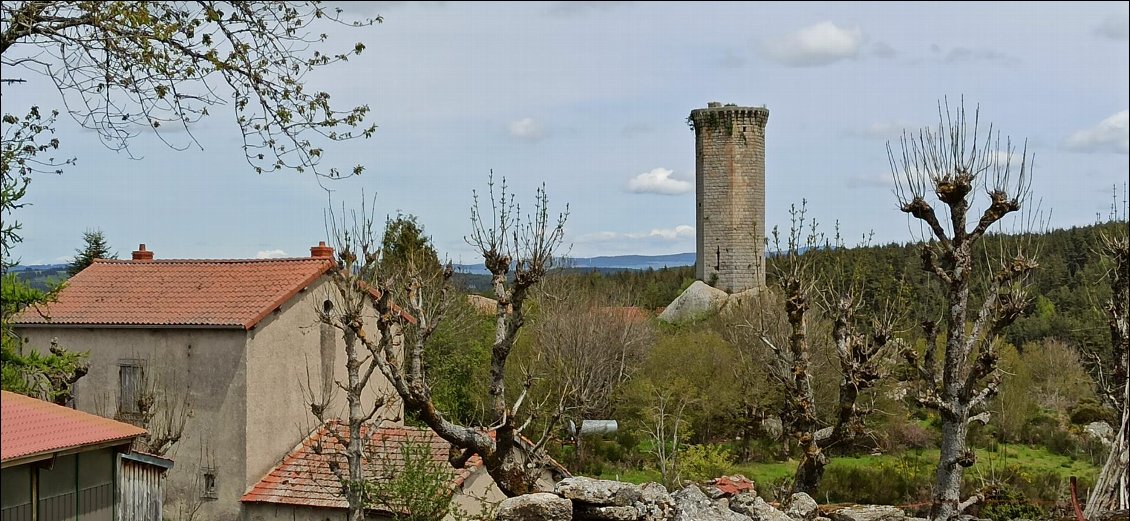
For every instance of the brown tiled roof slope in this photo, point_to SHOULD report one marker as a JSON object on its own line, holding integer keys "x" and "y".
{"x": 304, "y": 477}
{"x": 206, "y": 293}
{"x": 29, "y": 427}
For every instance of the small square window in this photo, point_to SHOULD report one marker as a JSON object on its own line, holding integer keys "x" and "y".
{"x": 208, "y": 488}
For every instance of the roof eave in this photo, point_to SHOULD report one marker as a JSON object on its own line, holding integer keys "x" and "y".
{"x": 67, "y": 451}
{"x": 74, "y": 325}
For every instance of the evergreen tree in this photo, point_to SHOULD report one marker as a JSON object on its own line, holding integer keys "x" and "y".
{"x": 95, "y": 248}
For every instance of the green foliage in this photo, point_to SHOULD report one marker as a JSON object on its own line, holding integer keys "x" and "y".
{"x": 695, "y": 367}
{"x": 1089, "y": 411}
{"x": 94, "y": 247}
{"x": 46, "y": 376}
{"x": 419, "y": 491}
{"x": 404, "y": 243}
{"x": 1008, "y": 504}
{"x": 135, "y": 65}
{"x": 703, "y": 462}
{"x": 457, "y": 361}
{"x": 1040, "y": 385}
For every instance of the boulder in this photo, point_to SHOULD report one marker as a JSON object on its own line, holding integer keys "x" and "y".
{"x": 655, "y": 503}
{"x": 598, "y": 492}
{"x": 756, "y": 508}
{"x": 535, "y": 507}
{"x": 1101, "y": 431}
{"x": 868, "y": 513}
{"x": 693, "y": 505}
{"x": 582, "y": 512}
{"x": 802, "y": 507}
{"x": 697, "y": 301}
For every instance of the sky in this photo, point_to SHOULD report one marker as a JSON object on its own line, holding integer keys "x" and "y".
{"x": 591, "y": 99}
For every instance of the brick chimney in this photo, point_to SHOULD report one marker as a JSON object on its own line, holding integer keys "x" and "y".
{"x": 321, "y": 251}
{"x": 142, "y": 255}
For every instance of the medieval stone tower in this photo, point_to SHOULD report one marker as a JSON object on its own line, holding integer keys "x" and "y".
{"x": 730, "y": 196}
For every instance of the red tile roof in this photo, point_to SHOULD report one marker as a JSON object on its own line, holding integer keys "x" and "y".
{"x": 209, "y": 293}
{"x": 31, "y": 427}
{"x": 304, "y": 476}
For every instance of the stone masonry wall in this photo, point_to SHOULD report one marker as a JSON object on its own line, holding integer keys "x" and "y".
{"x": 730, "y": 196}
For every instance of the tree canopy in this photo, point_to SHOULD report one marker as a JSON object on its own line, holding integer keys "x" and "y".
{"x": 122, "y": 67}
{"x": 94, "y": 247}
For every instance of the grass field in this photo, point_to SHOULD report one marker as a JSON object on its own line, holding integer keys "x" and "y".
{"x": 905, "y": 477}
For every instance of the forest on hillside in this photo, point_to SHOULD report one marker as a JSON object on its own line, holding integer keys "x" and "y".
{"x": 698, "y": 400}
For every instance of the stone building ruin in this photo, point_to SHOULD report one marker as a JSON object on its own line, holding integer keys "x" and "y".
{"x": 730, "y": 196}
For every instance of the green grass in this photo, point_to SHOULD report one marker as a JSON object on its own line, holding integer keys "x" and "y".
{"x": 990, "y": 463}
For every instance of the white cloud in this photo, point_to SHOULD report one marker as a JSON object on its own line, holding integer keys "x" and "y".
{"x": 1115, "y": 27}
{"x": 1110, "y": 135}
{"x": 681, "y": 231}
{"x": 658, "y": 181}
{"x": 820, "y": 44}
{"x": 677, "y": 233}
{"x": 966, "y": 54}
{"x": 527, "y": 128}
{"x": 270, "y": 254}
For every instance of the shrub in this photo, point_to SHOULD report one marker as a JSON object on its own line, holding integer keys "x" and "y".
{"x": 1009, "y": 504}
{"x": 911, "y": 435}
{"x": 1089, "y": 411}
{"x": 703, "y": 462}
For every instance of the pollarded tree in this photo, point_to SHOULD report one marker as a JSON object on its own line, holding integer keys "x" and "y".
{"x": 1112, "y": 376}
{"x": 858, "y": 344}
{"x": 954, "y": 163}
{"x": 410, "y": 303}
{"x": 121, "y": 67}
{"x": 94, "y": 247}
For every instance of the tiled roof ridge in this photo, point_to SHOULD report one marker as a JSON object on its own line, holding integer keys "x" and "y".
{"x": 212, "y": 261}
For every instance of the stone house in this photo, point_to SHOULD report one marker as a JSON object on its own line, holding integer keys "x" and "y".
{"x": 57, "y": 463}
{"x": 240, "y": 339}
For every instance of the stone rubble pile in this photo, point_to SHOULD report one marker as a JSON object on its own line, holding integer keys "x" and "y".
{"x": 729, "y": 498}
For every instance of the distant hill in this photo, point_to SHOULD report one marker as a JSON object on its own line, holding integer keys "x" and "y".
{"x": 606, "y": 264}
{"x": 41, "y": 276}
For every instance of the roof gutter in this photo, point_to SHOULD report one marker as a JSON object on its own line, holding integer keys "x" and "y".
{"x": 126, "y": 326}
{"x": 40, "y": 456}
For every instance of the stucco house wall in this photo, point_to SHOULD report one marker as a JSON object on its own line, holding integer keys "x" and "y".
{"x": 207, "y": 364}
{"x": 289, "y": 354}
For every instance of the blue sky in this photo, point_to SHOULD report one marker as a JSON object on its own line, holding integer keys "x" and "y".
{"x": 592, "y": 98}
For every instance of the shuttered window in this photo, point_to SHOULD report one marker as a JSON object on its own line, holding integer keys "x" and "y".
{"x": 131, "y": 377}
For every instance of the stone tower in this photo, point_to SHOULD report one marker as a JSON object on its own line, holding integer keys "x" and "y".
{"x": 730, "y": 196}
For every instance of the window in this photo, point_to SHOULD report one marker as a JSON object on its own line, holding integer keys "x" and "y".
{"x": 131, "y": 378}
{"x": 208, "y": 483}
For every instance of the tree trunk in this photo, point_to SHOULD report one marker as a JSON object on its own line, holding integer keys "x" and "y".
{"x": 811, "y": 467}
{"x": 951, "y": 466}
{"x": 354, "y": 488}
{"x": 1110, "y": 491}
{"x": 508, "y": 467}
